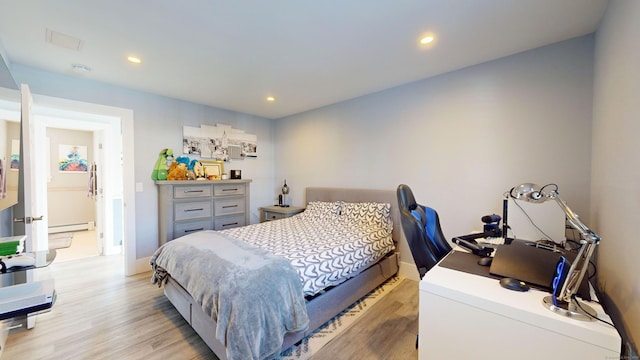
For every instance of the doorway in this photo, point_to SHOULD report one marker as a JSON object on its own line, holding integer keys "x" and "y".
{"x": 75, "y": 196}
{"x": 107, "y": 123}
{"x": 98, "y": 140}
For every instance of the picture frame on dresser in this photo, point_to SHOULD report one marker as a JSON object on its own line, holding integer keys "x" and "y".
{"x": 213, "y": 168}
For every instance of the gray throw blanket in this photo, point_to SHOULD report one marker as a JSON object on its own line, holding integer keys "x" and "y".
{"x": 255, "y": 297}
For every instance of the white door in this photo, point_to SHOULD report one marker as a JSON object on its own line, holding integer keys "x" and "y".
{"x": 30, "y": 212}
{"x": 35, "y": 192}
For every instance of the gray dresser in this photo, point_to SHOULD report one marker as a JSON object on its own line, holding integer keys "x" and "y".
{"x": 186, "y": 206}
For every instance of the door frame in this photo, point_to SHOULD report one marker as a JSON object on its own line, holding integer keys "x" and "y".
{"x": 58, "y": 107}
{"x": 106, "y": 139}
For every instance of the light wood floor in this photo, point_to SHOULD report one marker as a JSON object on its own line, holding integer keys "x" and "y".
{"x": 101, "y": 314}
{"x": 83, "y": 244}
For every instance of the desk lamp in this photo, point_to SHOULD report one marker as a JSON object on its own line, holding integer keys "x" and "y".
{"x": 565, "y": 302}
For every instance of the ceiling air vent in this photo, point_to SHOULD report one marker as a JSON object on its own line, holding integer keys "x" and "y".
{"x": 63, "y": 40}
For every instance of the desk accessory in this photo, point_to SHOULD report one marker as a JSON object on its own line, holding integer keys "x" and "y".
{"x": 525, "y": 261}
{"x": 21, "y": 260}
{"x": 514, "y": 284}
{"x": 11, "y": 245}
{"x": 485, "y": 261}
{"x": 565, "y": 303}
{"x": 468, "y": 242}
{"x": 27, "y": 298}
{"x": 491, "y": 225}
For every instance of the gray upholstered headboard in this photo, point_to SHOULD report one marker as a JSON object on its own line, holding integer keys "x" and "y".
{"x": 360, "y": 195}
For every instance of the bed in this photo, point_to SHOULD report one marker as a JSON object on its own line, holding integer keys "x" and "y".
{"x": 302, "y": 305}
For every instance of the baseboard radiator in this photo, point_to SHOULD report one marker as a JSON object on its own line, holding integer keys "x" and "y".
{"x": 72, "y": 227}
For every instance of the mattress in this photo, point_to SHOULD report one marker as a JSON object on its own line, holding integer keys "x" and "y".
{"x": 325, "y": 249}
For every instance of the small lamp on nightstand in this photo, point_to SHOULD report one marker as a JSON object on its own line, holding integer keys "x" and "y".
{"x": 285, "y": 191}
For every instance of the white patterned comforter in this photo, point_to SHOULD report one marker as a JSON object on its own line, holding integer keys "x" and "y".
{"x": 324, "y": 250}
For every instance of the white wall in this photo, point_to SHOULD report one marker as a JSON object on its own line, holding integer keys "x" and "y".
{"x": 158, "y": 123}
{"x": 616, "y": 174}
{"x": 459, "y": 140}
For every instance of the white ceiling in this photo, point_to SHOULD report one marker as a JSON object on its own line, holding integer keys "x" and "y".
{"x": 232, "y": 54}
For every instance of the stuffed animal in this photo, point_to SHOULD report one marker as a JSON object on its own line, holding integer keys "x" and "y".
{"x": 179, "y": 172}
{"x": 198, "y": 170}
{"x": 183, "y": 160}
{"x": 172, "y": 168}
{"x": 161, "y": 169}
{"x": 192, "y": 164}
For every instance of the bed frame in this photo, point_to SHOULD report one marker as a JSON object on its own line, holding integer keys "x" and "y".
{"x": 320, "y": 308}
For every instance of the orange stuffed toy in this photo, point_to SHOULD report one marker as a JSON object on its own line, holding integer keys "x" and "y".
{"x": 177, "y": 172}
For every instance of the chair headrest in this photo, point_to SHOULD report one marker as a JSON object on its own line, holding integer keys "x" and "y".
{"x": 406, "y": 198}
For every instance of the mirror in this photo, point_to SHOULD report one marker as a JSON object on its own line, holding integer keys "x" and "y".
{"x": 9, "y": 136}
{"x": 9, "y": 162}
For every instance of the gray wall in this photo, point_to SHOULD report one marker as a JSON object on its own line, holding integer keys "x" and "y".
{"x": 158, "y": 123}
{"x": 615, "y": 171}
{"x": 6, "y": 79}
{"x": 459, "y": 140}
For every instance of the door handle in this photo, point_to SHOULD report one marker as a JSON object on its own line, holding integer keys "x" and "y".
{"x": 28, "y": 219}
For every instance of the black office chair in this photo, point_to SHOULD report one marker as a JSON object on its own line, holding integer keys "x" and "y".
{"x": 421, "y": 227}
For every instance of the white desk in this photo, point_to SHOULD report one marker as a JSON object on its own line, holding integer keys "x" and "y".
{"x": 466, "y": 316}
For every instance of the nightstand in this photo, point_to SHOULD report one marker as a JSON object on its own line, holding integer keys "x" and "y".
{"x": 269, "y": 213}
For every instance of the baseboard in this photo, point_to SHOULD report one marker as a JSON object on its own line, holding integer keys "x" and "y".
{"x": 141, "y": 266}
{"x": 409, "y": 271}
{"x": 71, "y": 227}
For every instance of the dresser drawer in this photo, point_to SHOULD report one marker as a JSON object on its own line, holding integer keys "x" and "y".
{"x": 185, "y": 192}
{"x": 228, "y": 222}
{"x": 268, "y": 216}
{"x": 228, "y": 189}
{"x": 228, "y": 206}
{"x": 182, "y": 229}
{"x": 188, "y": 206}
{"x": 192, "y": 210}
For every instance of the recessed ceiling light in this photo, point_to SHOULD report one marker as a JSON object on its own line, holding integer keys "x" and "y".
{"x": 271, "y": 99}
{"x": 134, "y": 59}
{"x": 426, "y": 39}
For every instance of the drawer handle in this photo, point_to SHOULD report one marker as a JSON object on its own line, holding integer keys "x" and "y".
{"x": 192, "y": 230}
{"x": 187, "y": 210}
{"x": 230, "y": 189}
{"x": 229, "y": 206}
{"x": 193, "y": 191}
{"x": 273, "y": 216}
{"x": 230, "y": 224}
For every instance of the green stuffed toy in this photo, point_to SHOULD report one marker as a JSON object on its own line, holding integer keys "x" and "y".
{"x": 161, "y": 170}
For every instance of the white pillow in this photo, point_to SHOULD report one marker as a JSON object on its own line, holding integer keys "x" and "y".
{"x": 323, "y": 208}
{"x": 369, "y": 213}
